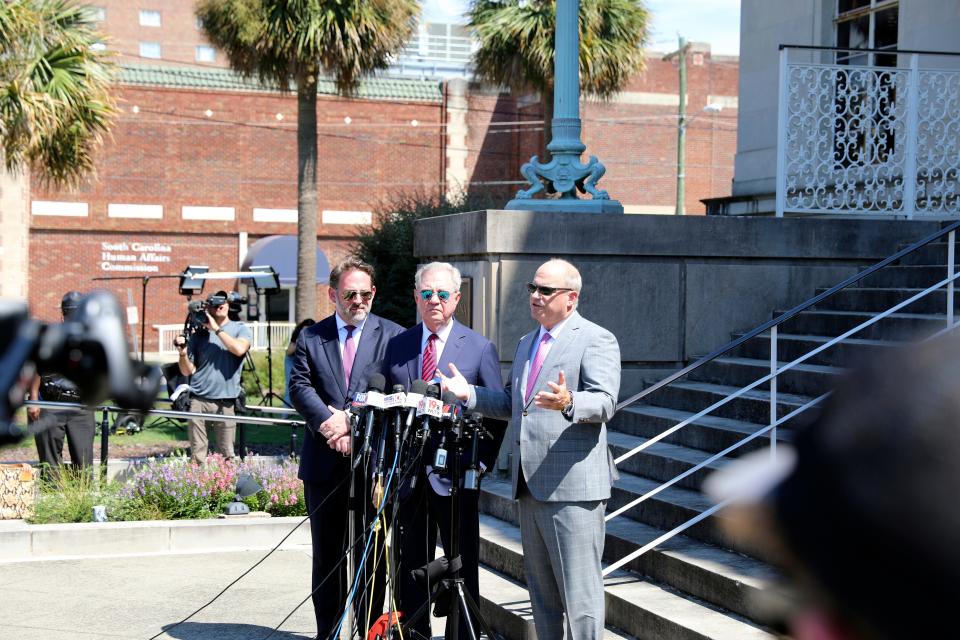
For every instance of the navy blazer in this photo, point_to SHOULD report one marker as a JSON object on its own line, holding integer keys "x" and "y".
{"x": 475, "y": 357}
{"x": 317, "y": 380}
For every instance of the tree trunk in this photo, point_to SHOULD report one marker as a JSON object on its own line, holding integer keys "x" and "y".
{"x": 306, "y": 300}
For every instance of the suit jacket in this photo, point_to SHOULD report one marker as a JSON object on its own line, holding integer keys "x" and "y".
{"x": 317, "y": 380}
{"x": 475, "y": 357}
{"x": 562, "y": 459}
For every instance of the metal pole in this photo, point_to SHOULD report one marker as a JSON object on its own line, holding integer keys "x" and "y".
{"x": 951, "y": 270}
{"x": 143, "y": 316}
{"x": 782, "y": 135}
{"x": 104, "y": 445}
{"x": 773, "y": 392}
{"x": 682, "y": 125}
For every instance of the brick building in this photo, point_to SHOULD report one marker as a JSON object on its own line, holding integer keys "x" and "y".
{"x": 201, "y": 163}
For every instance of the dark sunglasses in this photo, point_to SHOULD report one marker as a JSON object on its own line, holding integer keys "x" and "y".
{"x": 544, "y": 291}
{"x": 349, "y": 295}
{"x": 427, "y": 294}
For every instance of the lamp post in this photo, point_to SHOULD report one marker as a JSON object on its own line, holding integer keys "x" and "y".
{"x": 565, "y": 174}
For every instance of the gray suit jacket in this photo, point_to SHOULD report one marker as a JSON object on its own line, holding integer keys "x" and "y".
{"x": 562, "y": 460}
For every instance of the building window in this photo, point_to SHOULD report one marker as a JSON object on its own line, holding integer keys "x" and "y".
{"x": 149, "y": 49}
{"x": 98, "y": 46}
{"x": 866, "y": 101}
{"x": 205, "y": 53}
{"x": 199, "y": 24}
{"x": 867, "y": 24}
{"x": 97, "y": 14}
{"x": 149, "y": 18}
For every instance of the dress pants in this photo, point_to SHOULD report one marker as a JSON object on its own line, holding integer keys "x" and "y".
{"x": 329, "y": 532}
{"x": 78, "y": 427}
{"x": 562, "y": 552}
{"x": 421, "y": 514}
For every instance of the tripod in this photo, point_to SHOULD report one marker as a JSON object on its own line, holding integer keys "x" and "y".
{"x": 269, "y": 396}
{"x": 451, "y": 583}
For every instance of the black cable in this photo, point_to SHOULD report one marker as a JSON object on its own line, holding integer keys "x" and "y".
{"x": 256, "y": 564}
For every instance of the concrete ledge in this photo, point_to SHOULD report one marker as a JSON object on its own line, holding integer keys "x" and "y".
{"x": 20, "y": 542}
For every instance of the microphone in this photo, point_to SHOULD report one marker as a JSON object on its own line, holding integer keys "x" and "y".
{"x": 392, "y": 402}
{"x": 373, "y": 403}
{"x": 418, "y": 388}
{"x": 472, "y": 476}
{"x": 451, "y": 414}
{"x": 429, "y": 407}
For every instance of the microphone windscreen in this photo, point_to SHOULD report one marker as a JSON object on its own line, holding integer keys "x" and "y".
{"x": 419, "y": 386}
{"x": 433, "y": 391}
{"x": 377, "y": 382}
{"x": 449, "y": 397}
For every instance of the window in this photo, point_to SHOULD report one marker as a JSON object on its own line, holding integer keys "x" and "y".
{"x": 97, "y": 14}
{"x": 149, "y": 49}
{"x": 199, "y": 24}
{"x": 205, "y": 53}
{"x": 98, "y": 46}
{"x": 866, "y": 100}
{"x": 149, "y": 18}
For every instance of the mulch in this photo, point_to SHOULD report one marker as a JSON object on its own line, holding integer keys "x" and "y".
{"x": 118, "y": 449}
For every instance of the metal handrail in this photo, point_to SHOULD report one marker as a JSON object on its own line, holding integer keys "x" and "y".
{"x": 787, "y": 315}
{"x": 885, "y": 51}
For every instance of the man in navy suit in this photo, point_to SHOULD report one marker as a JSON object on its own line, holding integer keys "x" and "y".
{"x": 418, "y": 353}
{"x": 334, "y": 359}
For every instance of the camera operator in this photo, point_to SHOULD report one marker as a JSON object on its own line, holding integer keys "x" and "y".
{"x": 213, "y": 356}
{"x": 78, "y": 426}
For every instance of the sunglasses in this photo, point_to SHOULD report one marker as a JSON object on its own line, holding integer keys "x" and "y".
{"x": 350, "y": 294}
{"x": 544, "y": 291}
{"x": 427, "y": 294}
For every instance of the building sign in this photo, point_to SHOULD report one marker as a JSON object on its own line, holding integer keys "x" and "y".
{"x": 140, "y": 257}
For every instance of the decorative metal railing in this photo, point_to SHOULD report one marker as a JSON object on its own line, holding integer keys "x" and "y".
{"x": 771, "y": 329}
{"x": 882, "y": 138}
{"x": 279, "y": 336}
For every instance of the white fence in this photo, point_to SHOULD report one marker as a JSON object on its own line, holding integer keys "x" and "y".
{"x": 279, "y": 335}
{"x": 868, "y": 138}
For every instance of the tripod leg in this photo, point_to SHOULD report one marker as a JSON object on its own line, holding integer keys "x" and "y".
{"x": 466, "y": 600}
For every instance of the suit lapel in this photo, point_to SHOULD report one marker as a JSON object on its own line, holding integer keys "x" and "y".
{"x": 523, "y": 351}
{"x": 567, "y": 337}
{"x": 414, "y": 362}
{"x": 330, "y": 343}
{"x": 454, "y": 343}
{"x": 368, "y": 338}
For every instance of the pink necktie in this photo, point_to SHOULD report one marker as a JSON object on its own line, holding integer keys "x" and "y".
{"x": 429, "y": 368}
{"x": 349, "y": 352}
{"x": 536, "y": 366}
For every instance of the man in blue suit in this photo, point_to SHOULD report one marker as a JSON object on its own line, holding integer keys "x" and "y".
{"x": 334, "y": 359}
{"x": 419, "y": 353}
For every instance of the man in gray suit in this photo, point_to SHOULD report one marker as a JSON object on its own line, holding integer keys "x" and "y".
{"x": 562, "y": 390}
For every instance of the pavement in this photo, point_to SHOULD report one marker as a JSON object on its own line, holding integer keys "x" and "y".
{"x": 142, "y": 580}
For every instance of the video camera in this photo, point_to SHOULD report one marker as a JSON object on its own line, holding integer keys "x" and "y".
{"x": 88, "y": 349}
{"x": 197, "y": 312}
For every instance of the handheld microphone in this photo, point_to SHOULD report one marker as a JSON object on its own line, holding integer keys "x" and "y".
{"x": 429, "y": 407}
{"x": 472, "y": 476}
{"x": 451, "y": 413}
{"x": 418, "y": 388}
{"x": 374, "y": 403}
{"x": 394, "y": 403}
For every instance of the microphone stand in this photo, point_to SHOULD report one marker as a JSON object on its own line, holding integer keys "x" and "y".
{"x": 452, "y": 582}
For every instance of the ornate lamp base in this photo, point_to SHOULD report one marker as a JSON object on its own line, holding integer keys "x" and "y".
{"x": 565, "y": 175}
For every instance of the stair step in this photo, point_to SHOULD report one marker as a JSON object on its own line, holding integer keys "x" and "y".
{"x": 639, "y": 607}
{"x": 879, "y": 299}
{"x": 752, "y": 406}
{"x": 708, "y": 433}
{"x": 833, "y": 323}
{"x": 791, "y": 346}
{"x": 934, "y": 253}
{"x": 922, "y": 276}
{"x": 802, "y": 379}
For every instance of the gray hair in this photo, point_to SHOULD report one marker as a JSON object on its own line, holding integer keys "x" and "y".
{"x": 437, "y": 266}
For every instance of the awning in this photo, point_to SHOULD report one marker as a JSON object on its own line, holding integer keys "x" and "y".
{"x": 280, "y": 252}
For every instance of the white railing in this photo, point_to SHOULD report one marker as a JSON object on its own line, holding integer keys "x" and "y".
{"x": 868, "y": 139}
{"x": 776, "y": 369}
{"x": 279, "y": 336}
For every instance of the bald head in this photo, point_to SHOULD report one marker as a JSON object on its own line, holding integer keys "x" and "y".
{"x": 556, "y": 292}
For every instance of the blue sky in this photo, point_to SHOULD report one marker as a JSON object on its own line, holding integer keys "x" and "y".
{"x": 713, "y": 21}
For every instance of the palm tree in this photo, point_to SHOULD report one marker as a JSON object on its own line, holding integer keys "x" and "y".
{"x": 292, "y": 41}
{"x": 516, "y": 45}
{"x": 55, "y": 101}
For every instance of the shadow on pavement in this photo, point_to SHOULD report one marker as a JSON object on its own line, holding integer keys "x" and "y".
{"x": 227, "y": 631}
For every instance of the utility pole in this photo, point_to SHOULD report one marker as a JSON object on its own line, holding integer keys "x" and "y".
{"x": 681, "y": 125}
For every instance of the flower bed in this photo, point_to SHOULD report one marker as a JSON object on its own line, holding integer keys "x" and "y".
{"x": 174, "y": 488}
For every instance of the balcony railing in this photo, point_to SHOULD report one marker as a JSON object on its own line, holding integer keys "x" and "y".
{"x": 880, "y": 138}
{"x": 279, "y": 336}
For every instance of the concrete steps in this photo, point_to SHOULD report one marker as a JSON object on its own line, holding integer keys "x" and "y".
{"x": 901, "y": 326}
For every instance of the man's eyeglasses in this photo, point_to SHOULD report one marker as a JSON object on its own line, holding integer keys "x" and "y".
{"x": 544, "y": 291}
{"x": 350, "y": 294}
{"x": 427, "y": 295}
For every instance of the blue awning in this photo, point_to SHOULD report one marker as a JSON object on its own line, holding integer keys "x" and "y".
{"x": 280, "y": 252}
